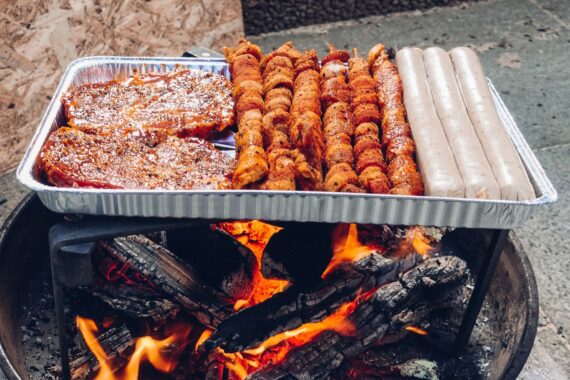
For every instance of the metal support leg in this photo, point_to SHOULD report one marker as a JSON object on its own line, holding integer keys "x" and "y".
{"x": 484, "y": 278}
{"x": 71, "y": 245}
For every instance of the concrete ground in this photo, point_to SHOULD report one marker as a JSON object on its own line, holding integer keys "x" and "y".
{"x": 525, "y": 49}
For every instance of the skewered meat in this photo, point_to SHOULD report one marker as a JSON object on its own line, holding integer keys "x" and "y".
{"x": 188, "y": 102}
{"x": 286, "y": 50}
{"x": 305, "y": 125}
{"x": 141, "y": 160}
{"x": 338, "y": 130}
{"x": 402, "y": 171}
{"x": 252, "y": 166}
{"x": 370, "y": 165}
{"x": 278, "y": 80}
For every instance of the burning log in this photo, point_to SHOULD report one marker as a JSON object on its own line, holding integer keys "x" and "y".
{"x": 172, "y": 277}
{"x": 117, "y": 342}
{"x": 435, "y": 283}
{"x": 222, "y": 261}
{"x": 298, "y": 253}
{"x": 296, "y": 305}
{"x": 135, "y": 302}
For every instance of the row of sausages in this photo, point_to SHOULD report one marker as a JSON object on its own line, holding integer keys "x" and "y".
{"x": 463, "y": 149}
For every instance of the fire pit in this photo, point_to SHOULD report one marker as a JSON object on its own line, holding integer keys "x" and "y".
{"x": 498, "y": 348}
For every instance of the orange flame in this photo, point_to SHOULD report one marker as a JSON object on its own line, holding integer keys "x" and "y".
{"x": 88, "y": 328}
{"x": 420, "y": 242}
{"x": 276, "y": 348}
{"x": 203, "y": 337}
{"x": 346, "y": 247}
{"x": 146, "y": 349}
{"x": 416, "y": 330}
{"x": 255, "y": 235}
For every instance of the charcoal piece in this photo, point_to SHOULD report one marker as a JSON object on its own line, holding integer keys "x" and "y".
{"x": 435, "y": 283}
{"x": 299, "y": 253}
{"x": 298, "y": 305}
{"x": 172, "y": 277}
{"x": 221, "y": 260}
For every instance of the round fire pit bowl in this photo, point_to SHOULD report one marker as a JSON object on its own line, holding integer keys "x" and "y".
{"x": 24, "y": 270}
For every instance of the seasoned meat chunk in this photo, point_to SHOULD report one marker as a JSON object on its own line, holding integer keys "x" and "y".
{"x": 189, "y": 102}
{"x": 138, "y": 160}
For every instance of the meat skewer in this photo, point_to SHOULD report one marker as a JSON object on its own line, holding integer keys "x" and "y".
{"x": 305, "y": 125}
{"x": 370, "y": 165}
{"x": 278, "y": 78}
{"x": 396, "y": 134}
{"x": 252, "y": 166}
{"x": 338, "y": 127}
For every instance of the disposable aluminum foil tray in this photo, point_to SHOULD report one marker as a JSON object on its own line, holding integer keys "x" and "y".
{"x": 267, "y": 205}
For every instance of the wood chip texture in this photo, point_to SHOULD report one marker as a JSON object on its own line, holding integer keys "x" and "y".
{"x": 38, "y": 39}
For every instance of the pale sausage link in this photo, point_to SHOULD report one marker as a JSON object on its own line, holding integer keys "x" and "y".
{"x": 434, "y": 156}
{"x": 471, "y": 161}
{"x": 499, "y": 149}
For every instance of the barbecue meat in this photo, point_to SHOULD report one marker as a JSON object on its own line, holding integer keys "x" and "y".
{"x": 191, "y": 103}
{"x": 139, "y": 160}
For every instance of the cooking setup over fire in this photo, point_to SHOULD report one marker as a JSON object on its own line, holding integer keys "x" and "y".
{"x": 274, "y": 215}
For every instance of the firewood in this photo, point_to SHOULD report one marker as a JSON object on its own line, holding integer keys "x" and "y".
{"x": 299, "y": 253}
{"x": 432, "y": 284}
{"x": 172, "y": 277}
{"x": 222, "y": 261}
{"x": 135, "y": 302}
{"x": 298, "y": 305}
{"x": 117, "y": 342}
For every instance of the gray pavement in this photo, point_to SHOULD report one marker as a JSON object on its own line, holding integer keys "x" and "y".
{"x": 525, "y": 48}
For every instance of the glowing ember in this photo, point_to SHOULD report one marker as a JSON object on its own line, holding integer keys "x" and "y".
{"x": 146, "y": 349}
{"x": 255, "y": 235}
{"x": 346, "y": 247}
{"x": 416, "y": 330}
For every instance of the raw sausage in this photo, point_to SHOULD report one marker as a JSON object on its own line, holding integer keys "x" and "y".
{"x": 435, "y": 159}
{"x": 501, "y": 153}
{"x": 469, "y": 155}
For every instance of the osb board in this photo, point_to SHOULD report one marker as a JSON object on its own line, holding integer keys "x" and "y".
{"x": 38, "y": 38}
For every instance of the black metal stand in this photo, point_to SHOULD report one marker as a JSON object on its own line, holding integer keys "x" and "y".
{"x": 484, "y": 277}
{"x": 71, "y": 245}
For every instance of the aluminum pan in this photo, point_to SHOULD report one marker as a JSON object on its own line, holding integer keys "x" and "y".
{"x": 267, "y": 205}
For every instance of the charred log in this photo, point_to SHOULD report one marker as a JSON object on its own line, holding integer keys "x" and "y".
{"x": 117, "y": 342}
{"x": 172, "y": 277}
{"x": 298, "y": 305}
{"x": 299, "y": 253}
{"x": 436, "y": 283}
{"x": 222, "y": 261}
{"x": 135, "y": 302}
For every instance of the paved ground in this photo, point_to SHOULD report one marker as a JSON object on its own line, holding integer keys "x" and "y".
{"x": 525, "y": 48}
